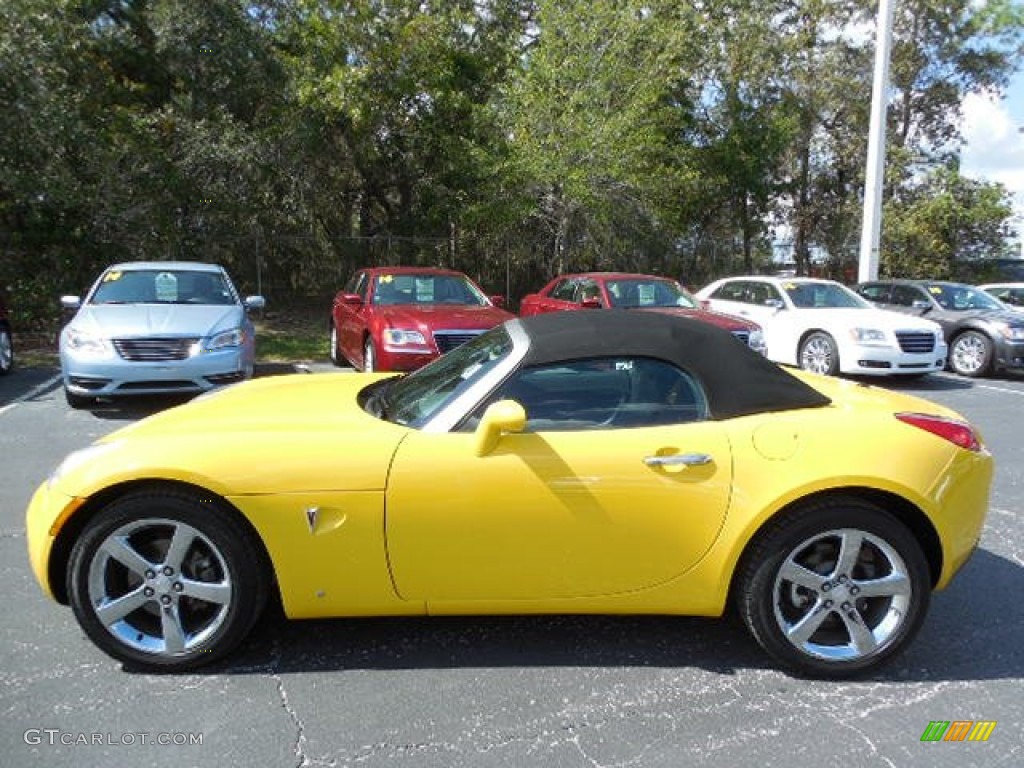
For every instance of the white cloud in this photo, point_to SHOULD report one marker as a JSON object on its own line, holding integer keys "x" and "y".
{"x": 994, "y": 148}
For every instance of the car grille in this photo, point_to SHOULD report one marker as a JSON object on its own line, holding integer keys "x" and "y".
{"x": 448, "y": 340}
{"x": 154, "y": 350}
{"x": 743, "y": 336}
{"x": 916, "y": 341}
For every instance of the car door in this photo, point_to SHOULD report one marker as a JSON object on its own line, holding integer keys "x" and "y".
{"x": 597, "y": 497}
{"x": 352, "y": 321}
{"x": 762, "y": 303}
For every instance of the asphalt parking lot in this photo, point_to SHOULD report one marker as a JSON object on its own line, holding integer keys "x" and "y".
{"x": 558, "y": 691}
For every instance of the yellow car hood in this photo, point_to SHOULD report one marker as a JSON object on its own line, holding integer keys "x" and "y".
{"x": 284, "y": 434}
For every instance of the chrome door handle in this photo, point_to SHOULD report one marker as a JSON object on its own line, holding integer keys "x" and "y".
{"x": 676, "y": 459}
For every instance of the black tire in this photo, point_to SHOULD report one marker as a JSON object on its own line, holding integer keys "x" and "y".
{"x": 825, "y": 600}
{"x": 819, "y": 353}
{"x": 337, "y": 359}
{"x": 970, "y": 354}
{"x": 188, "y": 574}
{"x": 369, "y": 356}
{"x": 78, "y": 402}
{"x": 6, "y": 351}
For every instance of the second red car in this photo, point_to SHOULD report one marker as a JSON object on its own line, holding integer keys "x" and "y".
{"x": 626, "y": 290}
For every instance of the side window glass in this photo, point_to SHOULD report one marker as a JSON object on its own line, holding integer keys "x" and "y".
{"x": 564, "y": 290}
{"x": 733, "y": 291}
{"x": 601, "y": 393}
{"x": 874, "y": 293}
{"x": 905, "y": 295}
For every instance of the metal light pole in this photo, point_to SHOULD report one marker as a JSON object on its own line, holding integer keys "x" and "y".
{"x": 871, "y": 227}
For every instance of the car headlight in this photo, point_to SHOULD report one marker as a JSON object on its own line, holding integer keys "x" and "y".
{"x": 76, "y": 459}
{"x": 869, "y": 336}
{"x": 82, "y": 344}
{"x": 398, "y": 338}
{"x": 232, "y": 338}
{"x": 756, "y": 341}
{"x": 1011, "y": 332}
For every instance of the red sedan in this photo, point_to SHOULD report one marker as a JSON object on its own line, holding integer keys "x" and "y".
{"x": 625, "y": 290}
{"x": 399, "y": 318}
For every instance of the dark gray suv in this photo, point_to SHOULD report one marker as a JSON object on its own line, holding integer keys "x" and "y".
{"x": 983, "y": 335}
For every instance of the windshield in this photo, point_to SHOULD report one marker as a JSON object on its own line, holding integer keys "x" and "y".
{"x": 638, "y": 293}
{"x": 426, "y": 289}
{"x": 961, "y": 298}
{"x": 414, "y": 399}
{"x": 162, "y": 286}
{"x": 823, "y": 296}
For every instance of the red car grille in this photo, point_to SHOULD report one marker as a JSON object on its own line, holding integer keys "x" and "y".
{"x": 448, "y": 340}
{"x": 154, "y": 350}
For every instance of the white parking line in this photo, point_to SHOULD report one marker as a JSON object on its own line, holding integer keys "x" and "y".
{"x": 1000, "y": 389}
{"x": 30, "y": 394}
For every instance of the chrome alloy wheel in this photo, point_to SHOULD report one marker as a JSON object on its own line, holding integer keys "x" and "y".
{"x": 842, "y": 595}
{"x": 970, "y": 354}
{"x": 159, "y": 586}
{"x": 818, "y": 355}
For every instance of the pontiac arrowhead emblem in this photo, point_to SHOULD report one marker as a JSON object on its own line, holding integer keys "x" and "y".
{"x": 311, "y": 515}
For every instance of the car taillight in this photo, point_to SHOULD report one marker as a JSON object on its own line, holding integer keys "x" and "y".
{"x": 957, "y": 432}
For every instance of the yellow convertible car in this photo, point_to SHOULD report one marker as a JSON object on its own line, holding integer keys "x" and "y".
{"x": 578, "y": 462}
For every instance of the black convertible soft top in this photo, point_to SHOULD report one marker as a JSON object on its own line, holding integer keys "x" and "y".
{"x": 736, "y": 380}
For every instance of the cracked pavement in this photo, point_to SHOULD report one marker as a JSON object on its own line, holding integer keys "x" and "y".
{"x": 609, "y": 692}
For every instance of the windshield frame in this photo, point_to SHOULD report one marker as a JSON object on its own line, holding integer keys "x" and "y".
{"x": 386, "y": 278}
{"x": 463, "y": 395}
{"x": 674, "y": 285}
{"x": 938, "y": 290}
{"x": 856, "y": 302}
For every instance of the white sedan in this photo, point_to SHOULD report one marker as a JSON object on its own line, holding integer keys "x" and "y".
{"x": 825, "y": 327}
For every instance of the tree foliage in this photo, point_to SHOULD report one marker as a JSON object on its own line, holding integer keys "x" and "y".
{"x": 294, "y": 140}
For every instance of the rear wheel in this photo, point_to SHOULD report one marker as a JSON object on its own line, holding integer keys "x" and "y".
{"x": 835, "y": 589}
{"x": 819, "y": 354}
{"x": 970, "y": 354}
{"x": 166, "y": 580}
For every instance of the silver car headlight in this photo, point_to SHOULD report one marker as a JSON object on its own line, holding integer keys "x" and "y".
{"x": 1010, "y": 332}
{"x": 398, "y": 338}
{"x": 233, "y": 338}
{"x": 82, "y": 344}
{"x": 757, "y": 342}
{"x": 871, "y": 337}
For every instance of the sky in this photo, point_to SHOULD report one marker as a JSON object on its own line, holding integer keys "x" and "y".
{"x": 994, "y": 132}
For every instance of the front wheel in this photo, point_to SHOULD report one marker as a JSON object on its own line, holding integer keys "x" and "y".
{"x": 970, "y": 354}
{"x": 166, "y": 580}
{"x": 369, "y": 357}
{"x": 78, "y": 402}
{"x": 836, "y": 589}
{"x": 818, "y": 354}
{"x": 336, "y": 357}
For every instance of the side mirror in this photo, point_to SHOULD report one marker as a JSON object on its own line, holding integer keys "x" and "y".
{"x": 774, "y": 303}
{"x": 704, "y": 304}
{"x": 255, "y": 302}
{"x": 70, "y": 302}
{"x": 498, "y": 301}
{"x": 921, "y": 304}
{"x": 353, "y": 300}
{"x": 500, "y": 418}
